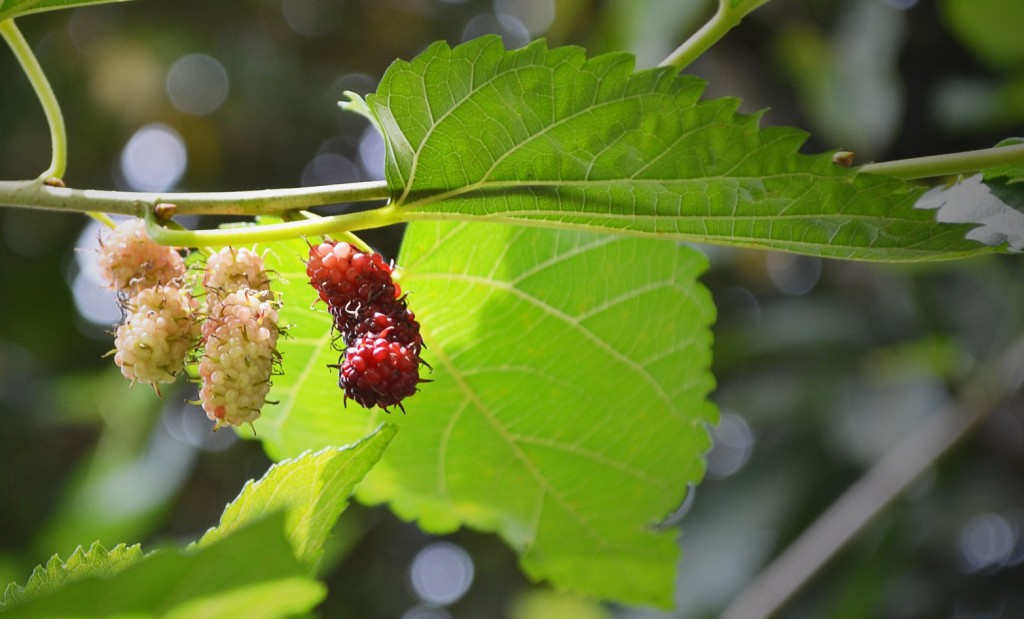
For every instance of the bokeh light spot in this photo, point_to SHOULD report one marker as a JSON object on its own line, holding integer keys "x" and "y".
{"x": 793, "y": 274}
{"x": 371, "y": 153}
{"x": 154, "y": 158}
{"x": 441, "y": 573}
{"x": 329, "y": 169}
{"x": 197, "y": 84}
{"x": 987, "y": 542}
{"x": 94, "y": 302}
{"x": 733, "y": 444}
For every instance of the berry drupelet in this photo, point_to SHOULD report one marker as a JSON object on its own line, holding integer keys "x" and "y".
{"x": 380, "y": 365}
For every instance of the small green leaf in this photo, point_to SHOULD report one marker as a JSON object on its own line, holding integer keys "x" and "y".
{"x": 250, "y": 573}
{"x": 97, "y": 561}
{"x": 14, "y": 8}
{"x": 546, "y": 137}
{"x": 568, "y": 402}
{"x": 313, "y": 489}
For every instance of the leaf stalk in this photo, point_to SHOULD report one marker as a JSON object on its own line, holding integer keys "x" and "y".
{"x": 51, "y": 108}
{"x": 948, "y": 164}
{"x": 250, "y": 234}
{"x": 727, "y": 17}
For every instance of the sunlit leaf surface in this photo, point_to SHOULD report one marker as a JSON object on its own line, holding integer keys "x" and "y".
{"x": 568, "y": 401}
{"x": 313, "y": 489}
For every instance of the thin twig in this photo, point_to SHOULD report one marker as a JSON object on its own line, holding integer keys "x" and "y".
{"x": 30, "y": 194}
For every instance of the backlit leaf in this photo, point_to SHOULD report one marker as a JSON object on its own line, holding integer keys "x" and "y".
{"x": 251, "y": 573}
{"x": 568, "y": 401}
{"x": 97, "y": 561}
{"x": 312, "y": 489}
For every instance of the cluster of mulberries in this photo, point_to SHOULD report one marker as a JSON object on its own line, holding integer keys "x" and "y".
{"x": 239, "y": 337}
{"x": 235, "y": 336}
{"x": 158, "y": 331}
{"x": 160, "y": 324}
{"x": 380, "y": 365}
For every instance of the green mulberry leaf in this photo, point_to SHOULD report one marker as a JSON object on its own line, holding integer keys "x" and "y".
{"x": 250, "y": 573}
{"x": 97, "y": 561}
{"x": 313, "y": 489}
{"x": 568, "y": 405}
{"x": 546, "y": 137}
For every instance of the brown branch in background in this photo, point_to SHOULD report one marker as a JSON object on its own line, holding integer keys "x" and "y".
{"x": 878, "y": 488}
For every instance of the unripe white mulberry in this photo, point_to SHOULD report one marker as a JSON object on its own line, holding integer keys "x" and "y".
{"x": 232, "y": 269}
{"x": 240, "y": 334}
{"x": 159, "y": 330}
{"x": 130, "y": 260}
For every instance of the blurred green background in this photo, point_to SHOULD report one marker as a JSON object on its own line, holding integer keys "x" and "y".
{"x": 822, "y": 365}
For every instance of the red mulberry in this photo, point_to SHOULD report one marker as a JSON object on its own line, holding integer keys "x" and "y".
{"x": 380, "y": 366}
{"x": 349, "y": 281}
{"x": 398, "y": 325}
{"x": 379, "y": 372}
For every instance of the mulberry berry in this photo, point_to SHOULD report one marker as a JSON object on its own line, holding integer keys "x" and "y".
{"x": 379, "y": 372}
{"x": 398, "y": 325}
{"x": 232, "y": 269}
{"x": 159, "y": 330}
{"x": 349, "y": 281}
{"x": 240, "y": 335}
{"x": 129, "y": 260}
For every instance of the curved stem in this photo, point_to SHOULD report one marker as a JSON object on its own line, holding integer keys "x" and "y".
{"x": 31, "y": 194}
{"x": 51, "y": 108}
{"x": 725, "y": 19}
{"x": 945, "y": 165}
{"x": 247, "y": 235}
{"x": 343, "y": 235}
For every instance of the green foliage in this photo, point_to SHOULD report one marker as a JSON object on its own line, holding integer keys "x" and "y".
{"x": 309, "y": 492}
{"x": 250, "y": 573}
{"x": 549, "y": 138}
{"x": 568, "y": 402}
{"x": 14, "y": 8}
{"x": 312, "y": 490}
{"x": 95, "y": 562}
{"x": 991, "y": 28}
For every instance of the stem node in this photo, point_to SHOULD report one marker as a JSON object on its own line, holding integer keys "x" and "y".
{"x": 164, "y": 211}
